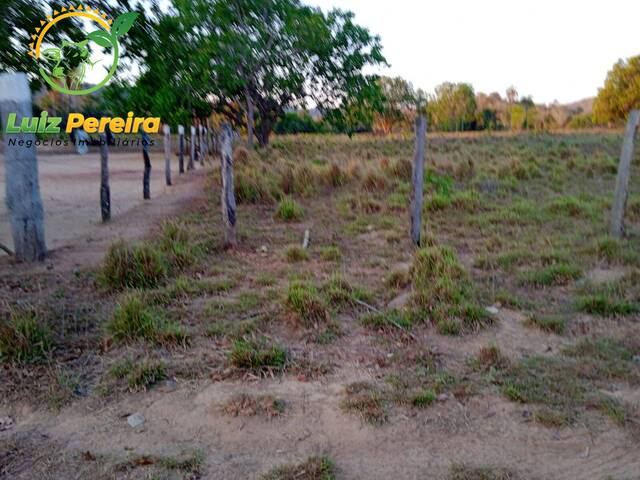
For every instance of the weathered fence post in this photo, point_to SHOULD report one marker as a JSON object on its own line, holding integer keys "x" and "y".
{"x": 228, "y": 194}
{"x": 21, "y": 172}
{"x": 146, "y": 190}
{"x": 192, "y": 155}
{"x": 200, "y": 149}
{"x": 418, "y": 179}
{"x": 167, "y": 154}
{"x": 181, "y": 148}
{"x": 105, "y": 191}
{"x": 622, "y": 181}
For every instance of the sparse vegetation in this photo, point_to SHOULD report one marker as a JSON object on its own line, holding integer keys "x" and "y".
{"x": 289, "y": 210}
{"x": 314, "y": 468}
{"x": 24, "y": 337}
{"x": 257, "y": 356}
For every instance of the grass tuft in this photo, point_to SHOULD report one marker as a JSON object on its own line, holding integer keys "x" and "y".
{"x": 314, "y": 468}
{"x": 24, "y": 337}
{"x": 289, "y": 211}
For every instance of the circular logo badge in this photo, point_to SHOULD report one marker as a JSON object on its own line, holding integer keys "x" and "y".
{"x": 64, "y": 67}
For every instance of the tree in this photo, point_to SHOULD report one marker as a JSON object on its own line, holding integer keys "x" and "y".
{"x": 399, "y": 98}
{"x": 620, "y": 94}
{"x": 278, "y": 55}
{"x": 454, "y": 107}
{"x": 17, "y": 23}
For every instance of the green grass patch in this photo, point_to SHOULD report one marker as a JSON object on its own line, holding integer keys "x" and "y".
{"x": 24, "y": 337}
{"x": 257, "y": 356}
{"x": 552, "y": 275}
{"x": 133, "y": 320}
{"x": 289, "y": 211}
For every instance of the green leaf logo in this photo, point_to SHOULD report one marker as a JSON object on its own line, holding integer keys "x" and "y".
{"x": 123, "y": 23}
{"x": 65, "y": 68}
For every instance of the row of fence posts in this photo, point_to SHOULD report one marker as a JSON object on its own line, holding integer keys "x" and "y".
{"x": 25, "y": 204}
{"x": 202, "y": 143}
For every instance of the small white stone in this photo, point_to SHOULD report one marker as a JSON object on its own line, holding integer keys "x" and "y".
{"x": 492, "y": 310}
{"x": 135, "y": 420}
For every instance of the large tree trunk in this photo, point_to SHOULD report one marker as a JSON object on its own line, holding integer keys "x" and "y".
{"x": 21, "y": 172}
{"x": 250, "y": 118}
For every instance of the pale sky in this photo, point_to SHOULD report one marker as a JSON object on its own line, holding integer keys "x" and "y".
{"x": 550, "y": 49}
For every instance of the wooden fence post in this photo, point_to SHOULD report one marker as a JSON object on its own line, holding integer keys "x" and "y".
{"x": 192, "y": 156}
{"x": 616, "y": 229}
{"x": 200, "y": 142}
{"x": 105, "y": 191}
{"x": 167, "y": 154}
{"x": 146, "y": 190}
{"x": 228, "y": 195}
{"x": 418, "y": 179}
{"x": 181, "y": 149}
{"x": 24, "y": 203}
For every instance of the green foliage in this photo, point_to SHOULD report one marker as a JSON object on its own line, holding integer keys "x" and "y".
{"x": 424, "y": 398}
{"x": 298, "y": 122}
{"x": 24, "y": 338}
{"x": 553, "y": 275}
{"x": 620, "y": 94}
{"x": 454, "y": 107}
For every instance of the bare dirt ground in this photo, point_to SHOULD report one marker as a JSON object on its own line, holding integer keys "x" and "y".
{"x": 68, "y": 415}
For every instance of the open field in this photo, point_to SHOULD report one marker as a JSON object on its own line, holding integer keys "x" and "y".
{"x": 357, "y": 358}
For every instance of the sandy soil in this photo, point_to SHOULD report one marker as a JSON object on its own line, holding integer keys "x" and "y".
{"x": 70, "y": 190}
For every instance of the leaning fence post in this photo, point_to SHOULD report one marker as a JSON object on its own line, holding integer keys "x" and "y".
{"x": 622, "y": 181}
{"x": 418, "y": 179}
{"x": 21, "y": 171}
{"x": 227, "y": 194}
{"x": 167, "y": 154}
{"x": 192, "y": 156}
{"x": 146, "y": 191}
{"x": 181, "y": 148}
{"x": 105, "y": 191}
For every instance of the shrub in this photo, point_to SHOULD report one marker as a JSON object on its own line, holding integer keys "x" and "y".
{"x": 138, "y": 266}
{"x": 289, "y": 210}
{"x": 24, "y": 338}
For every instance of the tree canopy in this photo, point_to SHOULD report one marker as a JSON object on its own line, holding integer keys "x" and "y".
{"x": 620, "y": 94}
